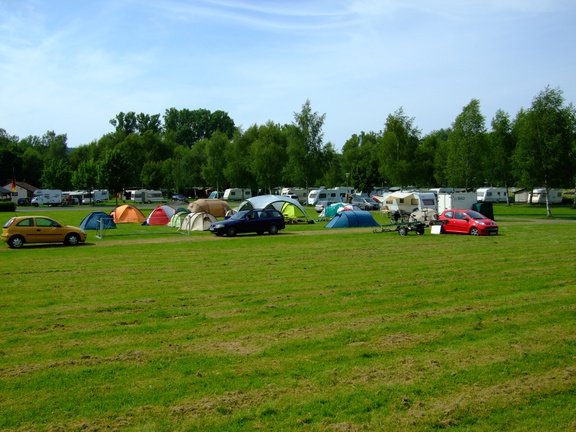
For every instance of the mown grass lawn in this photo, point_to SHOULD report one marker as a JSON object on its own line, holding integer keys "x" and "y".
{"x": 311, "y": 329}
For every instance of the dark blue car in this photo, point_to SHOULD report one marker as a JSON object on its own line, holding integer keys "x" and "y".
{"x": 249, "y": 221}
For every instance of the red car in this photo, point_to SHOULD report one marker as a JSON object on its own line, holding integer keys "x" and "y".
{"x": 467, "y": 222}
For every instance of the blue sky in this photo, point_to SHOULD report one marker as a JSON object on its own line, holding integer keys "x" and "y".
{"x": 70, "y": 66}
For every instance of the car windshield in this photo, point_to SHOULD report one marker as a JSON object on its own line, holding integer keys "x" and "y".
{"x": 240, "y": 214}
{"x": 475, "y": 215}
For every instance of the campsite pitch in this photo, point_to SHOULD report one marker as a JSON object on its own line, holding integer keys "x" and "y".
{"x": 311, "y": 329}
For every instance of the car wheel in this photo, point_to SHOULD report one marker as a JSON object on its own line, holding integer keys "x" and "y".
{"x": 442, "y": 230}
{"x": 273, "y": 229}
{"x": 16, "y": 242}
{"x": 403, "y": 231}
{"x": 231, "y": 232}
{"x": 72, "y": 239}
{"x": 474, "y": 231}
{"x": 35, "y": 204}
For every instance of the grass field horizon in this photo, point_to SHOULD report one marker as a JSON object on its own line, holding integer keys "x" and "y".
{"x": 311, "y": 329}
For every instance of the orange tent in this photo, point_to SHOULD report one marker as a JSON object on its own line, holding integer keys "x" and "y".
{"x": 127, "y": 214}
{"x": 215, "y": 207}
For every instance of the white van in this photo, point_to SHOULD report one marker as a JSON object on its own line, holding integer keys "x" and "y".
{"x": 491, "y": 194}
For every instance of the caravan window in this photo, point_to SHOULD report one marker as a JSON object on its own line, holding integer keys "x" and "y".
{"x": 428, "y": 202}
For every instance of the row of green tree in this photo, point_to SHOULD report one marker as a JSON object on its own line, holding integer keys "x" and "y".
{"x": 186, "y": 149}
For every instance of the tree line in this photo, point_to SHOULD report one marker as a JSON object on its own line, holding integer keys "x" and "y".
{"x": 187, "y": 149}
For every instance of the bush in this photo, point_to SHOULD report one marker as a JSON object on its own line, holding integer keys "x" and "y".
{"x": 7, "y": 206}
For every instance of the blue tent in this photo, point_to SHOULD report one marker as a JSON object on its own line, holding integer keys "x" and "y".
{"x": 90, "y": 222}
{"x": 352, "y": 219}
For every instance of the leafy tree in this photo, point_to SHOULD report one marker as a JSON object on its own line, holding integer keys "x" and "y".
{"x": 148, "y": 123}
{"x": 125, "y": 123}
{"x": 213, "y": 170}
{"x": 152, "y": 174}
{"x": 501, "y": 147}
{"x": 333, "y": 174}
{"x": 187, "y": 127}
{"x": 304, "y": 148}
{"x": 221, "y": 121}
{"x": 465, "y": 144}
{"x": 85, "y": 176}
{"x": 439, "y": 140}
{"x": 32, "y": 166}
{"x": 10, "y": 157}
{"x": 56, "y": 175}
{"x": 115, "y": 172}
{"x": 400, "y": 142}
{"x": 546, "y": 134}
{"x": 267, "y": 154}
{"x": 237, "y": 154}
{"x": 361, "y": 161}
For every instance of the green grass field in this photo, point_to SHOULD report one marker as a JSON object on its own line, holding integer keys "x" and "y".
{"x": 311, "y": 329}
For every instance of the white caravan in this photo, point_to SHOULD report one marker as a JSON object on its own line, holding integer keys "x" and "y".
{"x": 539, "y": 196}
{"x": 457, "y": 200}
{"x": 148, "y": 196}
{"x": 336, "y": 194}
{"x": 237, "y": 194}
{"x": 300, "y": 193}
{"x": 491, "y": 194}
{"x": 408, "y": 202}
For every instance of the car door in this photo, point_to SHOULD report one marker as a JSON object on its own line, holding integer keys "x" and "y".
{"x": 48, "y": 231}
{"x": 250, "y": 222}
{"x": 460, "y": 222}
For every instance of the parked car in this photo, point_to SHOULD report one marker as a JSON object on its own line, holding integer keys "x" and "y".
{"x": 39, "y": 229}
{"x": 247, "y": 221}
{"x": 365, "y": 203}
{"x": 467, "y": 222}
{"x": 321, "y": 204}
{"x": 179, "y": 198}
{"x": 23, "y": 202}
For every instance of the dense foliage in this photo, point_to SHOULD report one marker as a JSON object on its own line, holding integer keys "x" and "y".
{"x": 186, "y": 149}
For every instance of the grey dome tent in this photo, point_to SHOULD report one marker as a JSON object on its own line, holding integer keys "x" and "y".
{"x": 275, "y": 202}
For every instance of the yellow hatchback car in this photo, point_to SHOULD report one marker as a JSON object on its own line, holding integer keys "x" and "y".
{"x": 39, "y": 229}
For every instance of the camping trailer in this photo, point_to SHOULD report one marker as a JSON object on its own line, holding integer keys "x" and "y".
{"x": 237, "y": 194}
{"x": 539, "y": 196}
{"x": 148, "y": 196}
{"x": 491, "y": 194}
{"x": 408, "y": 201}
{"x": 336, "y": 194}
{"x": 458, "y": 200}
{"x": 300, "y": 193}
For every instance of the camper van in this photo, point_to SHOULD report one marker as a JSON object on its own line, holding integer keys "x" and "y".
{"x": 297, "y": 193}
{"x": 457, "y": 200}
{"x": 50, "y": 197}
{"x": 491, "y": 194}
{"x": 336, "y": 194}
{"x": 237, "y": 194}
{"x": 539, "y": 196}
{"x": 408, "y": 201}
{"x": 148, "y": 196}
